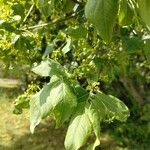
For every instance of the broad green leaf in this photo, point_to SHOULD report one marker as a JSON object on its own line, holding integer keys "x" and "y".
{"x": 77, "y": 32}
{"x": 99, "y": 105}
{"x": 56, "y": 97}
{"x": 147, "y": 50}
{"x": 44, "y": 6}
{"x": 79, "y": 129}
{"x": 19, "y": 9}
{"x": 68, "y": 6}
{"x": 85, "y": 121}
{"x": 49, "y": 50}
{"x": 68, "y": 102}
{"x": 102, "y": 13}
{"x": 109, "y": 105}
{"x": 132, "y": 45}
{"x": 144, "y": 10}
{"x": 49, "y": 67}
{"x": 95, "y": 119}
{"x": 126, "y": 13}
{"x": 81, "y": 93}
{"x": 40, "y": 106}
{"x": 67, "y": 47}
{"x": 7, "y": 26}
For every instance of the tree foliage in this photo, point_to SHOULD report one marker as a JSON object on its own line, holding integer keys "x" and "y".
{"x": 79, "y": 45}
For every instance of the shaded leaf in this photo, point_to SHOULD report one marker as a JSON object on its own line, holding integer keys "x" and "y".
{"x": 44, "y": 6}
{"x": 147, "y": 50}
{"x": 132, "y": 45}
{"x": 77, "y": 32}
{"x": 102, "y": 13}
{"x": 81, "y": 93}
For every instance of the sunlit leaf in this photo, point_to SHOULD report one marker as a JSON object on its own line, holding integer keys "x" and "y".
{"x": 79, "y": 129}
{"x": 144, "y": 9}
{"x": 56, "y": 97}
{"x": 126, "y": 13}
{"x": 107, "y": 104}
{"x": 49, "y": 68}
{"x": 67, "y": 47}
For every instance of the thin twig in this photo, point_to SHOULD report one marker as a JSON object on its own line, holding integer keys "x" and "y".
{"x": 27, "y": 15}
{"x": 52, "y": 23}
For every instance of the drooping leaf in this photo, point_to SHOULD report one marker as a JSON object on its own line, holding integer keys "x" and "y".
{"x": 144, "y": 10}
{"x": 67, "y": 104}
{"x": 79, "y": 129}
{"x": 44, "y": 6}
{"x": 56, "y": 97}
{"x": 107, "y": 104}
{"x": 67, "y": 47}
{"x": 49, "y": 67}
{"x": 95, "y": 119}
{"x": 102, "y": 13}
{"x": 85, "y": 121}
{"x": 126, "y": 13}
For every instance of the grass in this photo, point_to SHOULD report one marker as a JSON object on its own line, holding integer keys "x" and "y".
{"x": 15, "y": 134}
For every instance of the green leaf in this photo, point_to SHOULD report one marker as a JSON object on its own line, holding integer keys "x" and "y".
{"x": 22, "y": 102}
{"x": 132, "y": 45}
{"x": 79, "y": 129}
{"x": 68, "y": 6}
{"x": 49, "y": 67}
{"x": 67, "y": 47}
{"x": 126, "y": 13}
{"x": 147, "y": 50}
{"x": 144, "y": 10}
{"x": 109, "y": 105}
{"x": 18, "y": 9}
{"x": 81, "y": 93}
{"x": 95, "y": 120}
{"x": 49, "y": 49}
{"x": 44, "y": 6}
{"x": 56, "y": 97}
{"x": 99, "y": 105}
{"x": 85, "y": 121}
{"x": 77, "y": 32}
{"x": 102, "y": 13}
